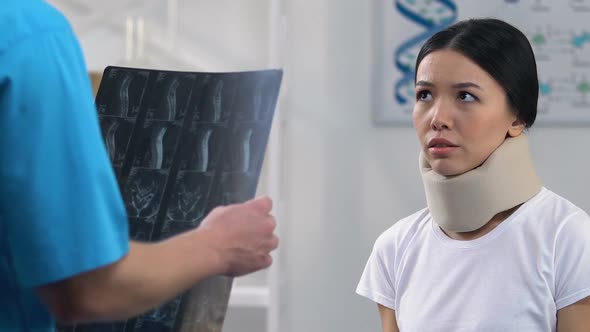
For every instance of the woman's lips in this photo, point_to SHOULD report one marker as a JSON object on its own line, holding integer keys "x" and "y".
{"x": 441, "y": 146}
{"x": 442, "y": 150}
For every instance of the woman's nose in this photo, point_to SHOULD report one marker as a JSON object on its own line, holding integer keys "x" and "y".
{"x": 442, "y": 117}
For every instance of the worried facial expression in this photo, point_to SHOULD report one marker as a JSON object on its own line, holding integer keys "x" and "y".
{"x": 461, "y": 113}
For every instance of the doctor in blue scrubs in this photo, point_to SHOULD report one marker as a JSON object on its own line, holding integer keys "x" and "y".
{"x": 64, "y": 247}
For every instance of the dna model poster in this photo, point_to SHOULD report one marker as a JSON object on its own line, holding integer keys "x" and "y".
{"x": 557, "y": 30}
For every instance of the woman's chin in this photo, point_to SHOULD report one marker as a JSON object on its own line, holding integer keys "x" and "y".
{"x": 448, "y": 170}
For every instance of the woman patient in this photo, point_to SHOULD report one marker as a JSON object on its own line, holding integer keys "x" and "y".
{"x": 494, "y": 250}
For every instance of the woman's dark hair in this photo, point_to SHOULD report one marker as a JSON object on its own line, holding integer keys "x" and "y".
{"x": 501, "y": 50}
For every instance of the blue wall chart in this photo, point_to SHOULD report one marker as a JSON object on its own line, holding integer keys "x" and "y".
{"x": 556, "y": 30}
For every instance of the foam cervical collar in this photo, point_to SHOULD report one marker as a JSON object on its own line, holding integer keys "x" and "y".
{"x": 466, "y": 202}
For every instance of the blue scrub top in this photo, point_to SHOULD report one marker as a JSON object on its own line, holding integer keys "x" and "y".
{"x": 61, "y": 212}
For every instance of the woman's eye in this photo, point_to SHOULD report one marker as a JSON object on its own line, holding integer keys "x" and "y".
{"x": 466, "y": 96}
{"x": 423, "y": 96}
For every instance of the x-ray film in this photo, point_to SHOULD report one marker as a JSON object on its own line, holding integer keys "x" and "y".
{"x": 182, "y": 143}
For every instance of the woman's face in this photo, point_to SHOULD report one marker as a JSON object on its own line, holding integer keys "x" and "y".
{"x": 461, "y": 113}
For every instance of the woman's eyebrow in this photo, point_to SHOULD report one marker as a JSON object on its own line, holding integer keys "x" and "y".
{"x": 462, "y": 85}
{"x": 466, "y": 85}
{"x": 424, "y": 83}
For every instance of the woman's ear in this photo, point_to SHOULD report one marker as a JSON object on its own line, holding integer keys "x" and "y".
{"x": 516, "y": 128}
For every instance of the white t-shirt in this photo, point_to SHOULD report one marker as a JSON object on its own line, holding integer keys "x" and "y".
{"x": 514, "y": 278}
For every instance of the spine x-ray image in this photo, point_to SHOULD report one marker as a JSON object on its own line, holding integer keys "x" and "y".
{"x": 181, "y": 143}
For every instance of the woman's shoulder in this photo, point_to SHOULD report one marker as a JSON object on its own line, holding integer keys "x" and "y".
{"x": 555, "y": 210}
{"x": 405, "y": 229}
{"x": 556, "y": 205}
